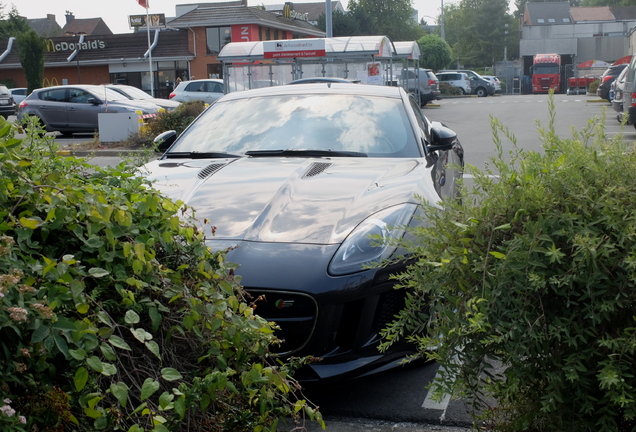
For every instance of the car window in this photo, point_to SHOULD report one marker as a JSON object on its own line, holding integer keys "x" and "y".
{"x": 198, "y": 86}
{"x": 57, "y": 95}
{"x": 214, "y": 87}
{"x": 78, "y": 96}
{"x": 20, "y": 92}
{"x": 376, "y": 126}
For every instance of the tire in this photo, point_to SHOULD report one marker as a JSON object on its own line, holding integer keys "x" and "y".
{"x": 462, "y": 91}
{"x": 481, "y": 92}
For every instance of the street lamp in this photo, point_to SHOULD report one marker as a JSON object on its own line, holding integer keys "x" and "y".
{"x": 441, "y": 22}
{"x": 77, "y": 50}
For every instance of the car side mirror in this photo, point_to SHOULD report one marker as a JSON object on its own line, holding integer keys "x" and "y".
{"x": 442, "y": 138}
{"x": 164, "y": 140}
{"x": 94, "y": 101}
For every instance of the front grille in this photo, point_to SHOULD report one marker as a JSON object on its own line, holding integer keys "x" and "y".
{"x": 294, "y": 313}
{"x": 390, "y": 304}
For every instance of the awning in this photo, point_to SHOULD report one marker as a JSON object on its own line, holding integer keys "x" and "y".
{"x": 409, "y": 50}
{"x": 338, "y": 47}
{"x": 623, "y": 60}
{"x": 593, "y": 64}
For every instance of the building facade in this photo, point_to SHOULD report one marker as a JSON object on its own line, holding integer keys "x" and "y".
{"x": 186, "y": 48}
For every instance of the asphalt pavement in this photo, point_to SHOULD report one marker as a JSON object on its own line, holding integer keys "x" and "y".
{"x": 343, "y": 424}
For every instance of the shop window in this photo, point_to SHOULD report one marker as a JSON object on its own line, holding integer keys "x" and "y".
{"x": 217, "y": 38}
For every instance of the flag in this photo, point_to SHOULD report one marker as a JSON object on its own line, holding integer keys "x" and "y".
{"x": 143, "y": 3}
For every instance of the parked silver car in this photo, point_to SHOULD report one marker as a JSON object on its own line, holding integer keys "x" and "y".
{"x": 455, "y": 79}
{"x": 425, "y": 79}
{"x": 135, "y": 93}
{"x": 75, "y": 108}
{"x": 19, "y": 94}
{"x": 207, "y": 90}
{"x": 478, "y": 85}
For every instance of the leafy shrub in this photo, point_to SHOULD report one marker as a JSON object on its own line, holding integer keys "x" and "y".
{"x": 114, "y": 315}
{"x": 176, "y": 120}
{"x": 526, "y": 292}
{"x": 593, "y": 86}
{"x": 449, "y": 89}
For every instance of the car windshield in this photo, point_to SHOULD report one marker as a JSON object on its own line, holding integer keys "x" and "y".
{"x": 373, "y": 126}
{"x": 107, "y": 94}
{"x": 135, "y": 93}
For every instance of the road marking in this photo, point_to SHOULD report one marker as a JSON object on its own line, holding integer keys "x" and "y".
{"x": 430, "y": 403}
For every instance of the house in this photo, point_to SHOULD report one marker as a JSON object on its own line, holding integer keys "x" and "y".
{"x": 45, "y": 27}
{"x": 85, "y": 26}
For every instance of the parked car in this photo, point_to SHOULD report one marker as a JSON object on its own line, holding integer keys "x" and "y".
{"x": 7, "y": 105}
{"x": 134, "y": 93}
{"x": 75, "y": 108}
{"x": 207, "y": 90}
{"x": 495, "y": 82}
{"x": 313, "y": 80}
{"x": 421, "y": 81}
{"x": 18, "y": 94}
{"x": 296, "y": 191}
{"x": 629, "y": 97}
{"x": 456, "y": 79}
{"x": 478, "y": 85}
{"x": 607, "y": 79}
{"x": 618, "y": 90}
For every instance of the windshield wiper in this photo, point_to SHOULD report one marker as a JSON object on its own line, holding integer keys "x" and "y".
{"x": 304, "y": 153}
{"x": 199, "y": 155}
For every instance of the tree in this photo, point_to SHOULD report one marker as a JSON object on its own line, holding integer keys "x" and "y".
{"x": 435, "y": 53}
{"x": 391, "y": 18}
{"x": 342, "y": 24}
{"x": 31, "y": 48}
{"x": 476, "y": 30}
{"x": 11, "y": 23}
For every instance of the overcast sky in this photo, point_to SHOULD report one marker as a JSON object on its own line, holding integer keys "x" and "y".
{"x": 115, "y": 12}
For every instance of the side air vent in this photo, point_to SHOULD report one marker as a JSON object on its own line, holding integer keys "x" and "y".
{"x": 315, "y": 169}
{"x": 209, "y": 170}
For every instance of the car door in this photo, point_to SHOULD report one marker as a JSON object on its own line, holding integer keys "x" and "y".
{"x": 82, "y": 112}
{"x": 51, "y": 108}
{"x": 447, "y": 164}
{"x": 214, "y": 91}
{"x": 194, "y": 91}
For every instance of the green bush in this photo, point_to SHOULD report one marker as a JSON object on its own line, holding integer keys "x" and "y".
{"x": 176, "y": 120}
{"x": 449, "y": 90}
{"x": 114, "y": 315}
{"x": 593, "y": 86}
{"x": 526, "y": 292}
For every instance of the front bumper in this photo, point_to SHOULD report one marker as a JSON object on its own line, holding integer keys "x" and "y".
{"x": 335, "y": 318}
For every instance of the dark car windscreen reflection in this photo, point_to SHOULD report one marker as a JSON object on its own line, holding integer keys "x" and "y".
{"x": 376, "y": 127}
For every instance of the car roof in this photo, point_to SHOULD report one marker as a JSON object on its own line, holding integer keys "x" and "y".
{"x": 80, "y": 86}
{"x": 205, "y": 79}
{"x": 320, "y": 88}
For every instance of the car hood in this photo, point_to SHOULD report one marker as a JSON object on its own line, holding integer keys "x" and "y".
{"x": 297, "y": 200}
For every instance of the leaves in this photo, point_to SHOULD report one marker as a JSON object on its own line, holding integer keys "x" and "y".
{"x": 535, "y": 274}
{"x": 106, "y": 283}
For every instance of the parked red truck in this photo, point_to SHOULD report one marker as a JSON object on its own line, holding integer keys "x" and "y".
{"x": 546, "y": 73}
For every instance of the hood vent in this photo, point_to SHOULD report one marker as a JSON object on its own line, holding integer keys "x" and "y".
{"x": 209, "y": 170}
{"x": 315, "y": 169}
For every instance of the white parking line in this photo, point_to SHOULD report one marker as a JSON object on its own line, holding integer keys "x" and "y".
{"x": 442, "y": 405}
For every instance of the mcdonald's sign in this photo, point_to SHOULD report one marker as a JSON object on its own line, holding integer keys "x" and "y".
{"x": 52, "y": 46}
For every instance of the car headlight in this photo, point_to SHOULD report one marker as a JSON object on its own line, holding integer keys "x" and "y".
{"x": 369, "y": 242}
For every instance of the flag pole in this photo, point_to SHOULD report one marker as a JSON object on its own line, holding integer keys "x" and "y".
{"x": 152, "y": 78}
